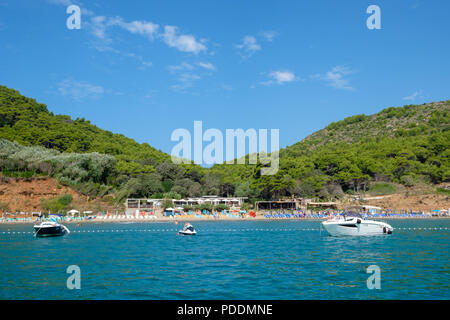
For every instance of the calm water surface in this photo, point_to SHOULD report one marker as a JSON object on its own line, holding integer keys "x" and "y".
{"x": 226, "y": 260}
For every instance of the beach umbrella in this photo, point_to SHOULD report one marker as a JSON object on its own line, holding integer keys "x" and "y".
{"x": 73, "y": 212}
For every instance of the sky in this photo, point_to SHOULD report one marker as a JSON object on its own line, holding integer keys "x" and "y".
{"x": 146, "y": 68}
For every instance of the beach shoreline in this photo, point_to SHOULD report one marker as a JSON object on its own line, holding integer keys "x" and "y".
{"x": 179, "y": 220}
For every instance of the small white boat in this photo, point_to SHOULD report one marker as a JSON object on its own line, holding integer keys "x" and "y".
{"x": 50, "y": 229}
{"x": 356, "y": 226}
{"x": 188, "y": 230}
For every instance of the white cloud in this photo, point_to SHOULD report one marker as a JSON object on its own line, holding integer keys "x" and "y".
{"x": 186, "y": 80}
{"x": 98, "y": 27}
{"x": 283, "y": 76}
{"x": 337, "y": 77}
{"x": 249, "y": 45}
{"x": 187, "y": 74}
{"x": 207, "y": 65}
{"x": 144, "y": 28}
{"x": 78, "y": 90}
{"x": 67, "y": 3}
{"x": 144, "y": 64}
{"x": 181, "y": 66}
{"x": 62, "y": 2}
{"x": 268, "y": 35}
{"x": 280, "y": 77}
{"x": 185, "y": 43}
{"x": 227, "y": 87}
{"x": 413, "y": 96}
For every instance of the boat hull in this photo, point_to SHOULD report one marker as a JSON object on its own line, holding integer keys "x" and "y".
{"x": 353, "y": 228}
{"x": 54, "y": 231}
{"x": 187, "y": 233}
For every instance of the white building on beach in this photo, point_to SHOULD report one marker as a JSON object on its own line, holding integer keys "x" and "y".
{"x": 147, "y": 205}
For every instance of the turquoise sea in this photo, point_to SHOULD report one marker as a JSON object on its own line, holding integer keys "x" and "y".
{"x": 226, "y": 260}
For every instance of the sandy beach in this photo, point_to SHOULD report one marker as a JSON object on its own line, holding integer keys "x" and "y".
{"x": 184, "y": 219}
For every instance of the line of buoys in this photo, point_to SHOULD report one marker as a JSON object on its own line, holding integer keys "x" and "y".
{"x": 210, "y": 230}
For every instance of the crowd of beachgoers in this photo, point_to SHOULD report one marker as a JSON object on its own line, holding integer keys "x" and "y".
{"x": 223, "y": 215}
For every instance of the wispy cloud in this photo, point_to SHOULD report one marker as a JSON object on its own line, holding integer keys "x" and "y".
{"x": 78, "y": 90}
{"x": 185, "y": 43}
{"x": 280, "y": 77}
{"x": 248, "y": 46}
{"x": 207, "y": 66}
{"x": 268, "y": 35}
{"x": 62, "y": 2}
{"x": 67, "y": 3}
{"x": 144, "y": 64}
{"x": 185, "y": 80}
{"x": 413, "y": 96}
{"x": 337, "y": 77}
{"x": 99, "y": 26}
{"x": 182, "y": 66}
{"x": 187, "y": 74}
{"x": 145, "y": 28}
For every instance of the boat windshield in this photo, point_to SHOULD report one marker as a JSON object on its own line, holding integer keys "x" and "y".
{"x": 351, "y": 214}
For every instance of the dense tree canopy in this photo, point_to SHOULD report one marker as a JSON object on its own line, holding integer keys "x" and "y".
{"x": 405, "y": 145}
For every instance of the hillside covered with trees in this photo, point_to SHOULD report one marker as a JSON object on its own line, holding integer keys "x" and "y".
{"x": 406, "y": 145}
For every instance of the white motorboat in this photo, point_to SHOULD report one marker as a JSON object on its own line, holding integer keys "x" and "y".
{"x": 50, "y": 229}
{"x": 188, "y": 230}
{"x": 355, "y": 225}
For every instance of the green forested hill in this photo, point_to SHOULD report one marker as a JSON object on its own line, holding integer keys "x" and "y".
{"x": 24, "y": 120}
{"x": 410, "y": 120}
{"x": 404, "y": 145}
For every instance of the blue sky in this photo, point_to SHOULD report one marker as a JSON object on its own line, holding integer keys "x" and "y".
{"x": 146, "y": 68}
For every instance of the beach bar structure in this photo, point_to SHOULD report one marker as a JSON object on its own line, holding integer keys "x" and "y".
{"x": 324, "y": 205}
{"x": 148, "y": 205}
{"x": 139, "y": 205}
{"x": 293, "y": 204}
{"x": 286, "y": 204}
{"x": 232, "y": 202}
{"x": 364, "y": 208}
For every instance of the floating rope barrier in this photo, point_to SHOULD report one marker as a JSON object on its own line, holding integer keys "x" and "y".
{"x": 213, "y": 230}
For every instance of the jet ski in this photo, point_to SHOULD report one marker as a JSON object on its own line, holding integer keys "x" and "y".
{"x": 188, "y": 230}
